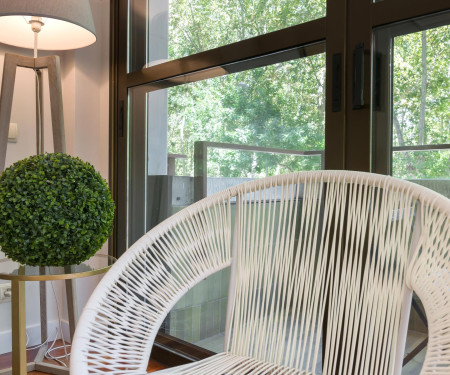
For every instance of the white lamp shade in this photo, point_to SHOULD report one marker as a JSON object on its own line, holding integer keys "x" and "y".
{"x": 68, "y": 24}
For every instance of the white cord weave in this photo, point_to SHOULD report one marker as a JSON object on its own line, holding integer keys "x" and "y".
{"x": 323, "y": 265}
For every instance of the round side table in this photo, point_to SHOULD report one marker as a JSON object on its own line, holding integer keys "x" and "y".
{"x": 18, "y": 274}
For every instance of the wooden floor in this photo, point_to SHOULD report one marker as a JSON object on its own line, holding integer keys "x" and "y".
{"x": 5, "y": 361}
{"x": 152, "y": 366}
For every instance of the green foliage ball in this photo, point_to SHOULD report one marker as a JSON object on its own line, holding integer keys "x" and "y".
{"x": 55, "y": 210}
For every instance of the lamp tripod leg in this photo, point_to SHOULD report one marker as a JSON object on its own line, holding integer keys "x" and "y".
{"x": 9, "y": 77}
{"x": 39, "y": 113}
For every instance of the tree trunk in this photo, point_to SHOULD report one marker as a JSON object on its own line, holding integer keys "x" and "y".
{"x": 423, "y": 91}
{"x": 398, "y": 131}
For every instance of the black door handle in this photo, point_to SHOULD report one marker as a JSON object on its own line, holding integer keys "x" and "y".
{"x": 358, "y": 76}
{"x": 336, "y": 99}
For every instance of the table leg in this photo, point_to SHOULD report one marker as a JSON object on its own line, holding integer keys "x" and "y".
{"x": 19, "y": 340}
{"x": 71, "y": 306}
{"x": 43, "y": 306}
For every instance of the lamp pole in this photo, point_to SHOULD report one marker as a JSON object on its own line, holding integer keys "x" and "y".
{"x": 36, "y": 25}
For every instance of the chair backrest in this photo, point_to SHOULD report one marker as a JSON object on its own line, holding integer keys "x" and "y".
{"x": 323, "y": 265}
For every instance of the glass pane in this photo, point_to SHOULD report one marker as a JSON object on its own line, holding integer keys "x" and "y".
{"x": 254, "y": 164}
{"x": 421, "y": 107}
{"x": 162, "y": 30}
{"x": 411, "y": 112}
{"x": 236, "y": 127}
{"x": 421, "y": 86}
{"x": 423, "y": 164}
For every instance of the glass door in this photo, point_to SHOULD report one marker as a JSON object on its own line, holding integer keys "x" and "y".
{"x": 207, "y": 94}
{"x": 411, "y": 106}
{"x": 195, "y": 135}
{"x": 411, "y": 123}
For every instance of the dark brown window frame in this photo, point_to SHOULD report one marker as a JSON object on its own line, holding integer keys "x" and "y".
{"x": 348, "y": 133}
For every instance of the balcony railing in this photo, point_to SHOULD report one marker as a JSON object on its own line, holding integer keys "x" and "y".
{"x": 201, "y": 160}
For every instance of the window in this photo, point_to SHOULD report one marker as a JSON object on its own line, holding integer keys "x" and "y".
{"x": 161, "y": 30}
{"x": 421, "y": 108}
{"x": 411, "y": 120}
{"x": 412, "y": 76}
{"x": 256, "y": 118}
{"x": 304, "y": 97}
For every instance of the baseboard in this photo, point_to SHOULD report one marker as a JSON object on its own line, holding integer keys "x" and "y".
{"x": 34, "y": 334}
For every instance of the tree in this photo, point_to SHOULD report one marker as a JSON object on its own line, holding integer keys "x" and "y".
{"x": 421, "y": 102}
{"x": 280, "y": 105}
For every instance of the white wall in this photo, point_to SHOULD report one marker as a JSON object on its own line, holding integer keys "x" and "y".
{"x": 87, "y": 79}
{"x": 85, "y": 85}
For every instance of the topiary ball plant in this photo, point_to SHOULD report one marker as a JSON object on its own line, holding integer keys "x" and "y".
{"x": 55, "y": 210}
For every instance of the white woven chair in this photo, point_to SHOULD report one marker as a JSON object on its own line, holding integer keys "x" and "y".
{"x": 318, "y": 259}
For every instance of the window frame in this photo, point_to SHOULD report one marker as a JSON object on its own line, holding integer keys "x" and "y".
{"x": 348, "y": 131}
{"x": 382, "y": 90}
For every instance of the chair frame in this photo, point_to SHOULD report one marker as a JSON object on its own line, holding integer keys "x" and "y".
{"x": 433, "y": 211}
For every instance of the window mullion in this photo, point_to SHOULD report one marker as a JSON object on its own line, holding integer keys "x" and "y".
{"x": 335, "y": 117}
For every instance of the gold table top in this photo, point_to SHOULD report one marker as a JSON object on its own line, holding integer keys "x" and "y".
{"x": 97, "y": 264}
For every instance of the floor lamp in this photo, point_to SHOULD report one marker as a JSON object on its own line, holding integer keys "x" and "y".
{"x": 44, "y": 25}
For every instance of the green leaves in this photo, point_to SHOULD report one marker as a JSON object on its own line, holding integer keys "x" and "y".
{"x": 421, "y": 113}
{"x": 199, "y": 25}
{"x": 280, "y": 106}
{"x": 55, "y": 210}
